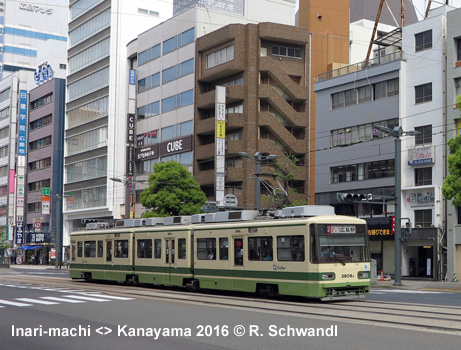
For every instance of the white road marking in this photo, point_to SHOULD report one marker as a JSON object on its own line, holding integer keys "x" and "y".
{"x": 63, "y": 300}
{"x": 43, "y": 302}
{"x": 12, "y": 303}
{"x": 81, "y": 297}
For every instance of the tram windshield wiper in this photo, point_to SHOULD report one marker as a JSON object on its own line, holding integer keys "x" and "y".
{"x": 342, "y": 260}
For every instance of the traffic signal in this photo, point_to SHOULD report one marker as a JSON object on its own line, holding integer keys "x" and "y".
{"x": 350, "y": 197}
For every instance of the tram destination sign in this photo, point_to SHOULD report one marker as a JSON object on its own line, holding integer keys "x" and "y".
{"x": 341, "y": 229}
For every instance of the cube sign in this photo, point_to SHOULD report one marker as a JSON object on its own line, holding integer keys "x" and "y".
{"x": 46, "y": 191}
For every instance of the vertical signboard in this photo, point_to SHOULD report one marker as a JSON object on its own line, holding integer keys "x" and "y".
{"x": 22, "y": 129}
{"x": 20, "y": 166}
{"x": 46, "y": 204}
{"x": 130, "y": 142}
{"x": 220, "y": 139}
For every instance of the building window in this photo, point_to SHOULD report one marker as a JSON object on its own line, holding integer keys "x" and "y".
{"x": 425, "y": 136}
{"x": 365, "y": 93}
{"x": 149, "y": 54}
{"x": 423, "y": 40}
{"x": 423, "y": 218}
{"x": 149, "y": 110}
{"x": 179, "y": 41}
{"x": 220, "y": 57}
{"x": 177, "y": 101}
{"x": 149, "y": 82}
{"x": 423, "y": 176}
{"x": 459, "y": 215}
{"x": 338, "y": 100}
{"x": 363, "y": 171}
{"x": 46, "y": 141}
{"x": 41, "y": 122}
{"x": 178, "y": 71}
{"x": 423, "y": 93}
{"x": 360, "y": 133}
{"x": 286, "y": 51}
{"x": 41, "y": 101}
{"x": 40, "y": 164}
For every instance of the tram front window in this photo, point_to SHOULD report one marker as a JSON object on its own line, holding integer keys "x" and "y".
{"x": 342, "y": 248}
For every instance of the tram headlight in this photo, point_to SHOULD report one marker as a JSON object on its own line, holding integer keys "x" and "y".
{"x": 328, "y": 276}
{"x": 363, "y": 275}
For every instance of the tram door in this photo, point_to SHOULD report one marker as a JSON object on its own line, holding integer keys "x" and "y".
{"x": 108, "y": 258}
{"x": 169, "y": 259}
{"x": 239, "y": 251}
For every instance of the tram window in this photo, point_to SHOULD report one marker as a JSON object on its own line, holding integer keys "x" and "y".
{"x": 100, "y": 249}
{"x": 206, "y": 249}
{"x": 290, "y": 248}
{"x": 90, "y": 249}
{"x": 79, "y": 249}
{"x": 108, "y": 250}
{"x": 121, "y": 249}
{"x": 181, "y": 248}
{"x": 74, "y": 248}
{"x": 157, "y": 248}
{"x": 260, "y": 249}
{"x": 223, "y": 249}
{"x": 144, "y": 249}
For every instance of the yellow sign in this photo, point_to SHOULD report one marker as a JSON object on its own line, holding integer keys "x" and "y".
{"x": 380, "y": 232}
{"x": 220, "y": 129}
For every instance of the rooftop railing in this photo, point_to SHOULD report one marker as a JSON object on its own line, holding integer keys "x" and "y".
{"x": 395, "y": 56}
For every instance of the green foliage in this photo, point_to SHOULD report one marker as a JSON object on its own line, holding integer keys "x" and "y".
{"x": 172, "y": 191}
{"x": 451, "y": 188}
{"x": 4, "y": 239}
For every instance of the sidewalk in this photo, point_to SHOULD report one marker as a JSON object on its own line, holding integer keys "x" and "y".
{"x": 428, "y": 285}
{"x": 35, "y": 267}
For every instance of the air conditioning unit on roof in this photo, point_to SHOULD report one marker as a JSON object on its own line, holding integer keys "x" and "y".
{"x": 308, "y": 210}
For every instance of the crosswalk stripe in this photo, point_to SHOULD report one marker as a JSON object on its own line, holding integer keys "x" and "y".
{"x": 107, "y": 296}
{"x": 81, "y": 297}
{"x": 63, "y": 300}
{"x": 12, "y": 303}
{"x": 28, "y": 300}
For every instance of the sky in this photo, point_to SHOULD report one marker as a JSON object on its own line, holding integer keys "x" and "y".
{"x": 421, "y": 5}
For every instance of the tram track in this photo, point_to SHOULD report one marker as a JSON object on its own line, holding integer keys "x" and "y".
{"x": 422, "y": 317}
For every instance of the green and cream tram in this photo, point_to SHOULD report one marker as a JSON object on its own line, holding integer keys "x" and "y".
{"x": 322, "y": 256}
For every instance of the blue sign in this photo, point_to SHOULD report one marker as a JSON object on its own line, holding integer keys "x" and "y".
{"x": 132, "y": 77}
{"x": 19, "y": 232}
{"x": 44, "y": 74}
{"x": 22, "y": 127}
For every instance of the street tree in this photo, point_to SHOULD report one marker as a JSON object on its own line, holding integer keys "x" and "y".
{"x": 172, "y": 191}
{"x": 451, "y": 188}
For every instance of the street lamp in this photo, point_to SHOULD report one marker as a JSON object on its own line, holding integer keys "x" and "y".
{"x": 258, "y": 159}
{"x": 127, "y": 182}
{"x": 397, "y": 132}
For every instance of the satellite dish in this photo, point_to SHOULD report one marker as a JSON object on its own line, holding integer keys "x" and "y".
{"x": 231, "y": 201}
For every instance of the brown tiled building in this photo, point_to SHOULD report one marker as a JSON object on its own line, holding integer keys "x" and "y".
{"x": 265, "y": 69}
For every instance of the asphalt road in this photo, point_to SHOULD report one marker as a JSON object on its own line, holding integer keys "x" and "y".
{"x": 75, "y": 317}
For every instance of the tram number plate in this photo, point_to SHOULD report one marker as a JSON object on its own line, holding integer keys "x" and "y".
{"x": 347, "y": 275}
{"x": 341, "y": 229}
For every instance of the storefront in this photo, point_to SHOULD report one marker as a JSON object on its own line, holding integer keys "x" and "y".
{"x": 381, "y": 233}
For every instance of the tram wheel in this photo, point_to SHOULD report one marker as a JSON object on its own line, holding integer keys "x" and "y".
{"x": 267, "y": 290}
{"x": 193, "y": 286}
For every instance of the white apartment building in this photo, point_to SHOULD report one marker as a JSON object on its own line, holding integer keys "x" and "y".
{"x": 99, "y": 31}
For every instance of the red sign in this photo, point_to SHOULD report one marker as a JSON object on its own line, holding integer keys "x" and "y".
{"x": 393, "y": 224}
{"x": 37, "y": 225}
